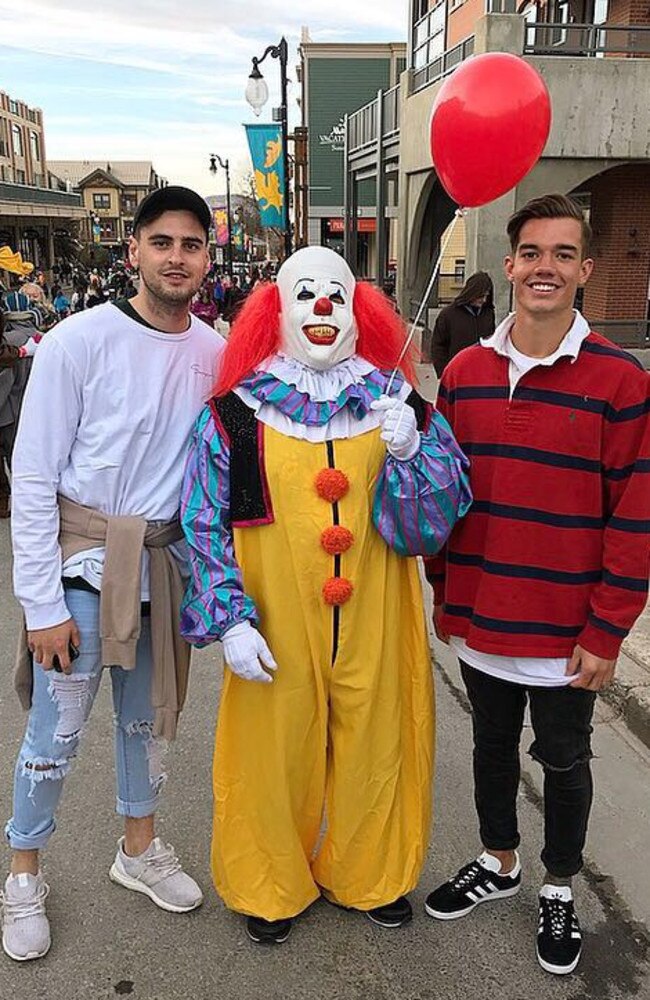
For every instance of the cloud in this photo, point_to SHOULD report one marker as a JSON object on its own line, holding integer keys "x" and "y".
{"x": 177, "y": 92}
{"x": 179, "y": 149}
{"x": 126, "y": 32}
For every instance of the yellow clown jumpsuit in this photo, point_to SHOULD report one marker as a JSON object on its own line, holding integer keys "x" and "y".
{"x": 322, "y": 779}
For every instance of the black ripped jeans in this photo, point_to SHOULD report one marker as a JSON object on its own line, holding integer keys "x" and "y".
{"x": 561, "y": 721}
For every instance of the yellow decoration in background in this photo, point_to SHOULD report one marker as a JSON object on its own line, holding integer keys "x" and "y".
{"x": 14, "y": 263}
{"x": 273, "y": 150}
{"x": 268, "y": 190}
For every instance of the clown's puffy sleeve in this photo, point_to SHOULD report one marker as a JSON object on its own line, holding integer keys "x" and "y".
{"x": 417, "y": 502}
{"x": 214, "y": 598}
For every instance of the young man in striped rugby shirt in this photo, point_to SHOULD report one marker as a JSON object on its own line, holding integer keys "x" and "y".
{"x": 543, "y": 579}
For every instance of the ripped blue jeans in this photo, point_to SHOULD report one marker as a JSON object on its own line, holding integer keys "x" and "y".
{"x": 61, "y": 704}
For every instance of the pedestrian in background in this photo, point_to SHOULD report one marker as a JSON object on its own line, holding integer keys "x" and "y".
{"x": 205, "y": 307}
{"x": 95, "y": 293}
{"x": 218, "y": 293}
{"x": 61, "y": 305}
{"x": 465, "y": 321}
{"x": 547, "y": 573}
{"x": 95, "y": 530}
{"x": 234, "y": 297}
{"x": 18, "y": 341}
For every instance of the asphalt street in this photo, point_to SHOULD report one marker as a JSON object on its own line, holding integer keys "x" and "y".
{"x": 110, "y": 942}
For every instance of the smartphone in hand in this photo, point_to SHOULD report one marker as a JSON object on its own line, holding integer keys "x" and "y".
{"x": 73, "y": 653}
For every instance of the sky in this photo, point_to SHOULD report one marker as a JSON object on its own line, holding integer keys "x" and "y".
{"x": 164, "y": 80}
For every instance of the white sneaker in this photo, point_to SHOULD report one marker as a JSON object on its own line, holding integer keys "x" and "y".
{"x": 25, "y": 927}
{"x": 158, "y": 874}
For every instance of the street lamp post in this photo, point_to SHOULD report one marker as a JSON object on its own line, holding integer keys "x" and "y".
{"x": 225, "y": 165}
{"x": 257, "y": 94}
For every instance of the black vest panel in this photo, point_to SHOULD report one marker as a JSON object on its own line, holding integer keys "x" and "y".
{"x": 250, "y": 503}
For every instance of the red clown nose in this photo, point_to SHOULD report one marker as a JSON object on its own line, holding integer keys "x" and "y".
{"x": 323, "y": 307}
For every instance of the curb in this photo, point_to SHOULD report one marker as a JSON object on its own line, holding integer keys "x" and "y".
{"x": 629, "y": 695}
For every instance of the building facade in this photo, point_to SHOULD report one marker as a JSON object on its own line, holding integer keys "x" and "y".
{"x": 593, "y": 56}
{"x": 336, "y": 79}
{"x": 32, "y": 215}
{"x": 110, "y": 192}
{"x": 22, "y": 143}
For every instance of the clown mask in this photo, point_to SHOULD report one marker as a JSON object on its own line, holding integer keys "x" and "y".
{"x": 316, "y": 296}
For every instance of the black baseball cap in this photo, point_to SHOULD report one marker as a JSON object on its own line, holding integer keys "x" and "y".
{"x": 173, "y": 198}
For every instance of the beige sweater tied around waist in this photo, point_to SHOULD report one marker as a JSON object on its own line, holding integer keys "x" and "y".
{"x": 124, "y": 538}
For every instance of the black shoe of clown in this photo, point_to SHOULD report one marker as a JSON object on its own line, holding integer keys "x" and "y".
{"x": 268, "y": 931}
{"x": 394, "y": 914}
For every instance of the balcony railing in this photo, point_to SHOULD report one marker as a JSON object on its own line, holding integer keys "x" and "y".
{"x": 38, "y": 196}
{"x": 443, "y": 64}
{"x": 594, "y": 40}
{"x": 391, "y": 111}
{"x": 362, "y": 126}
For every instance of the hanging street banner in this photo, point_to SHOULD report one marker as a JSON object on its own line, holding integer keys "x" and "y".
{"x": 220, "y": 226}
{"x": 265, "y": 143}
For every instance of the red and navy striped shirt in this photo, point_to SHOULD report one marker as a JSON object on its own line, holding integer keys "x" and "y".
{"x": 555, "y": 550}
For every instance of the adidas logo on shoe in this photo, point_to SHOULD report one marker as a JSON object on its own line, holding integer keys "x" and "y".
{"x": 475, "y": 883}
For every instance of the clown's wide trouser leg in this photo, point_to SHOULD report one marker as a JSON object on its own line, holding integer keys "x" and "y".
{"x": 379, "y": 773}
{"x": 351, "y": 744}
{"x": 269, "y": 779}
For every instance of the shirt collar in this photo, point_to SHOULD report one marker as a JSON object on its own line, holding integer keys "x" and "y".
{"x": 569, "y": 346}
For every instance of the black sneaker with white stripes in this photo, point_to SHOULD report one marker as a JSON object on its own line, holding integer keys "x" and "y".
{"x": 559, "y": 938}
{"x": 475, "y": 883}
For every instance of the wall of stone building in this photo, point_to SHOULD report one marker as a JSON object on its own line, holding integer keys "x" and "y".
{"x": 628, "y": 12}
{"x": 620, "y": 217}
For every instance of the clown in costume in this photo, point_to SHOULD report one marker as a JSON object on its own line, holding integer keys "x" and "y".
{"x": 310, "y": 483}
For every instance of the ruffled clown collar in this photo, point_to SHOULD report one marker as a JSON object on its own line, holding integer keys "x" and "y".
{"x": 313, "y": 397}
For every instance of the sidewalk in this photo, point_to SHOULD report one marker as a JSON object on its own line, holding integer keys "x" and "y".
{"x": 629, "y": 694}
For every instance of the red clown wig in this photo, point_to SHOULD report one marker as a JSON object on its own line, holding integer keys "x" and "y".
{"x": 255, "y": 334}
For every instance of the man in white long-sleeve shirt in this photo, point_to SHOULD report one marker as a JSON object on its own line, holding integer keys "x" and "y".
{"x": 97, "y": 475}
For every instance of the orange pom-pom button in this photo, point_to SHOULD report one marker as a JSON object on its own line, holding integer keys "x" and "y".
{"x": 336, "y": 540}
{"x": 332, "y": 484}
{"x": 337, "y": 590}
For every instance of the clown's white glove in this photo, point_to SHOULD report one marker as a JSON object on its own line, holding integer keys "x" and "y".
{"x": 398, "y": 427}
{"x": 243, "y": 649}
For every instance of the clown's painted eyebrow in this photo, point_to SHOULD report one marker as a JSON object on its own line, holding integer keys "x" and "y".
{"x": 301, "y": 281}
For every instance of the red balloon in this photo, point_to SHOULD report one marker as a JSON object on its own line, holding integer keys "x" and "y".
{"x": 489, "y": 125}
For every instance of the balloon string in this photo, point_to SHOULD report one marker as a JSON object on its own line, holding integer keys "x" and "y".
{"x": 409, "y": 340}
